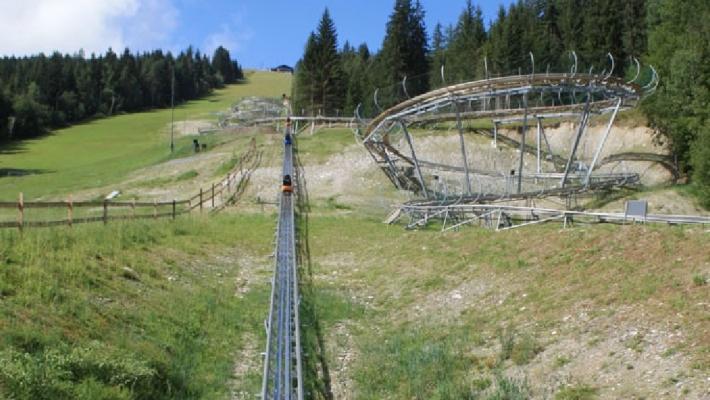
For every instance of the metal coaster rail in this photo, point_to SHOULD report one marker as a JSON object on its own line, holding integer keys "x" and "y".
{"x": 283, "y": 378}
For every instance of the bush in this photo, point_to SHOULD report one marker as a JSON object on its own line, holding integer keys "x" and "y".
{"x": 94, "y": 371}
{"x": 700, "y": 160}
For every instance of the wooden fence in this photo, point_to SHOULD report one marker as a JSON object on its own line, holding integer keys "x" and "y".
{"x": 56, "y": 213}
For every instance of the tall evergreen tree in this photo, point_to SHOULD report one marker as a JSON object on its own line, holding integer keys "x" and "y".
{"x": 464, "y": 55}
{"x": 320, "y": 84}
{"x": 635, "y": 34}
{"x": 329, "y": 74}
{"x": 222, "y": 63}
{"x": 305, "y": 80}
{"x": 5, "y": 112}
{"x": 497, "y": 47}
{"x": 404, "y": 53}
{"x": 551, "y": 50}
{"x": 438, "y": 55}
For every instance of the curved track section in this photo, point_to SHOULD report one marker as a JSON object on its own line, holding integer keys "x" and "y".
{"x": 521, "y": 100}
{"x": 283, "y": 378}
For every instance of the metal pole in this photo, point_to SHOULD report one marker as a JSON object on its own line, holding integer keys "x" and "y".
{"x": 459, "y": 125}
{"x": 172, "y": 111}
{"x": 21, "y": 212}
{"x": 414, "y": 158}
{"x": 601, "y": 144}
{"x": 539, "y": 133}
{"x": 522, "y": 142}
{"x": 580, "y": 131}
{"x": 392, "y": 168}
{"x": 70, "y": 210}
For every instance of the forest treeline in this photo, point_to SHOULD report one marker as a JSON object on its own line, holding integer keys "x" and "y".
{"x": 41, "y": 92}
{"x": 672, "y": 35}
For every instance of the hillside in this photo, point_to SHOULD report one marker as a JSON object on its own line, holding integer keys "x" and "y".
{"x": 106, "y": 151}
{"x": 176, "y": 309}
{"x": 599, "y": 311}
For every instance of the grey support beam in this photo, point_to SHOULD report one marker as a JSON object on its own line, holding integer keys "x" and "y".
{"x": 459, "y": 125}
{"x": 522, "y": 143}
{"x": 603, "y": 141}
{"x": 414, "y": 159}
{"x": 580, "y": 132}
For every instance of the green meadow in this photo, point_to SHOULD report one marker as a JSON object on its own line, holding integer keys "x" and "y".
{"x": 103, "y": 151}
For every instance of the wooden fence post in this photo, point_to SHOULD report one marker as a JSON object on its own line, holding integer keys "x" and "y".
{"x": 200, "y": 199}
{"x": 173, "y": 208}
{"x": 105, "y": 211}
{"x": 21, "y": 212}
{"x": 155, "y": 209}
{"x": 70, "y": 210}
{"x": 213, "y": 195}
{"x": 133, "y": 209}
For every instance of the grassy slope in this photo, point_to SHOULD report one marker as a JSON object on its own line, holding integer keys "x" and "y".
{"x": 103, "y": 151}
{"x": 143, "y": 310}
{"x": 517, "y": 287}
{"x": 136, "y": 310}
{"x": 378, "y": 296}
{"x": 392, "y": 324}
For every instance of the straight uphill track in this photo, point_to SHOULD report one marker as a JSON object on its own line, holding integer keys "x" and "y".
{"x": 283, "y": 379}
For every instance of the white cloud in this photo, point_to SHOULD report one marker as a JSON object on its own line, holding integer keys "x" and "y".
{"x": 152, "y": 26}
{"x": 33, "y": 26}
{"x": 233, "y": 36}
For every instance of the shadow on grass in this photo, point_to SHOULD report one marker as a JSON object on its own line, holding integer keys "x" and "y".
{"x": 316, "y": 373}
{"x": 10, "y": 172}
{"x": 14, "y": 147}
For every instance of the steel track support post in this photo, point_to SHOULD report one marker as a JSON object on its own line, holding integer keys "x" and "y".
{"x": 580, "y": 132}
{"x": 603, "y": 141}
{"x": 414, "y": 158}
{"x": 392, "y": 168}
{"x": 538, "y": 138}
{"x": 522, "y": 142}
{"x": 459, "y": 125}
{"x": 495, "y": 134}
{"x": 547, "y": 144}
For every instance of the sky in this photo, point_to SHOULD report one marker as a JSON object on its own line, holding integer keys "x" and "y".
{"x": 258, "y": 33}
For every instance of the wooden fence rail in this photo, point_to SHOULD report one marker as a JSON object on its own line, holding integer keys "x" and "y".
{"x": 100, "y": 211}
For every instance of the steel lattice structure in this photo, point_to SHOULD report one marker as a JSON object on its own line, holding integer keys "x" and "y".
{"x": 516, "y": 99}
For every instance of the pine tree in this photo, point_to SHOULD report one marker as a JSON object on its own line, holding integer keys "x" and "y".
{"x": 418, "y": 57}
{"x": 635, "y": 33}
{"x": 329, "y": 75}
{"x": 438, "y": 56}
{"x": 5, "y": 113}
{"x": 404, "y": 53}
{"x": 320, "y": 84}
{"x": 464, "y": 57}
{"x": 222, "y": 63}
{"x": 498, "y": 44}
{"x": 304, "y": 90}
{"x": 551, "y": 52}
{"x": 32, "y": 117}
